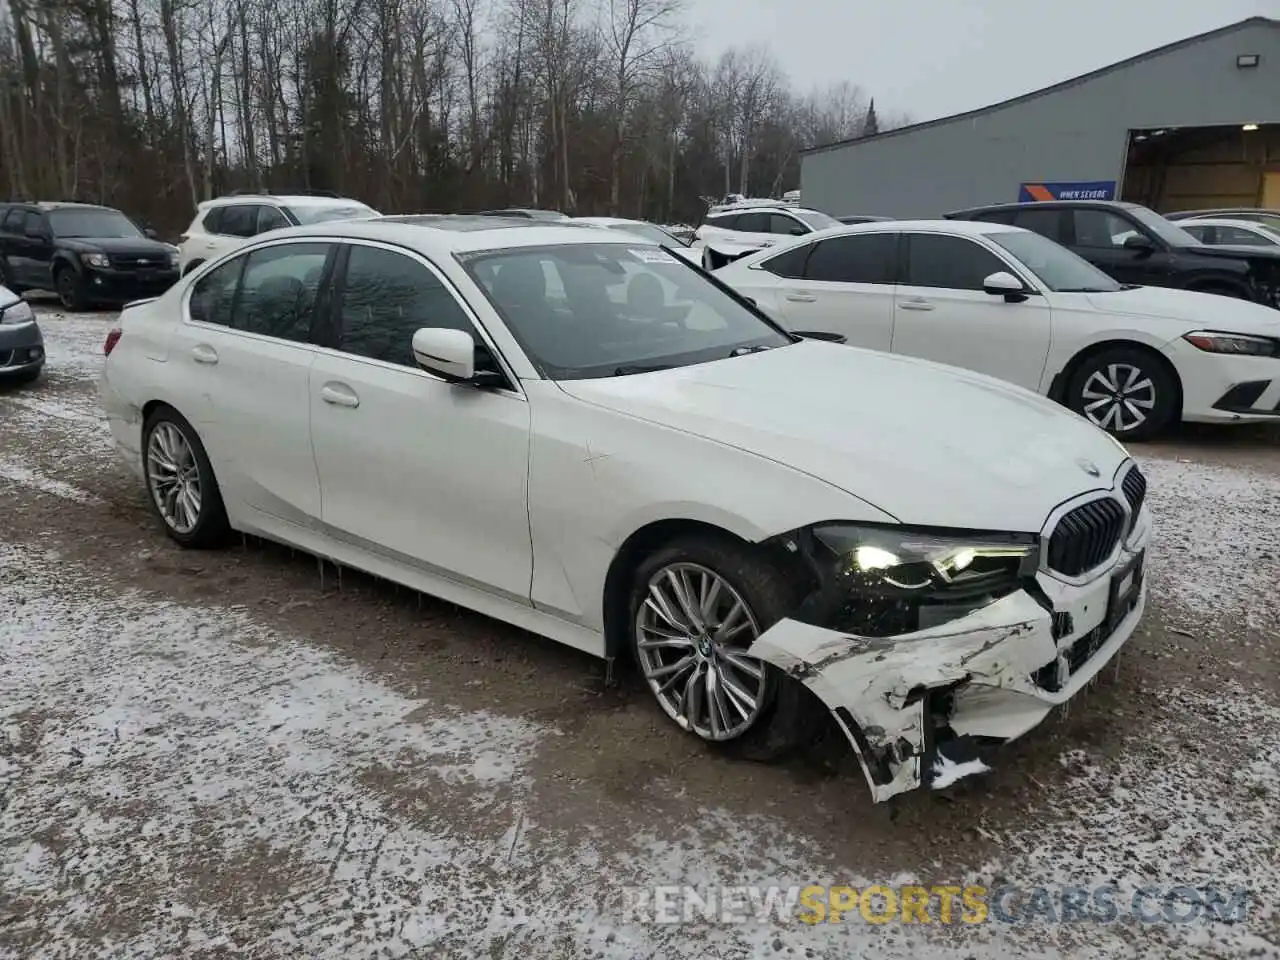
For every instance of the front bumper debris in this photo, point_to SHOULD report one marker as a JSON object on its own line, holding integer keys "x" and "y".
{"x": 923, "y": 707}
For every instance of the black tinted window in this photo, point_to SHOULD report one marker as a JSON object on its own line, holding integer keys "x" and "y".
{"x": 13, "y": 220}
{"x": 279, "y": 289}
{"x": 953, "y": 263}
{"x": 789, "y": 263}
{"x": 788, "y": 226}
{"x": 725, "y": 221}
{"x": 1047, "y": 223}
{"x": 213, "y": 220}
{"x": 856, "y": 259}
{"x": 1102, "y": 229}
{"x": 214, "y": 294}
{"x": 996, "y": 216}
{"x": 239, "y": 220}
{"x": 386, "y": 297}
{"x": 270, "y": 218}
{"x": 753, "y": 223}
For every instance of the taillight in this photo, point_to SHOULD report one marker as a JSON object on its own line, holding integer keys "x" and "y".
{"x": 113, "y": 337}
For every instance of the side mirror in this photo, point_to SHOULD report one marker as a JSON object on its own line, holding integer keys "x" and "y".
{"x": 450, "y": 353}
{"x": 1004, "y": 284}
{"x": 798, "y": 231}
{"x": 1139, "y": 244}
{"x": 821, "y": 335}
{"x": 454, "y": 355}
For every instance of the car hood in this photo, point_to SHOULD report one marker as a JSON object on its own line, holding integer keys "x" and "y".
{"x": 1210, "y": 310}
{"x": 1257, "y": 254}
{"x": 735, "y": 242}
{"x": 926, "y": 443}
{"x": 120, "y": 246}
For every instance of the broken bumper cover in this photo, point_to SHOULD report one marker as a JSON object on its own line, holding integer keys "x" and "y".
{"x": 913, "y": 703}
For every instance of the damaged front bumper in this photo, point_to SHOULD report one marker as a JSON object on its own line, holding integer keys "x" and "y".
{"x": 920, "y": 706}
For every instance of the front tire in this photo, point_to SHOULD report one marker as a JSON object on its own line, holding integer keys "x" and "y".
{"x": 69, "y": 289}
{"x": 696, "y": 606}
{"x": 1126, "y": 391}
{"x": 181, "y": 487}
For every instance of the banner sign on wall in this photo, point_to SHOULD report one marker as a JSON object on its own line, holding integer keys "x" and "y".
{"x": 1068, "y": 190}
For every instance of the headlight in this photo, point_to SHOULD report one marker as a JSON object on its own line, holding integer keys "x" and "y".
{"x": 174, "y": 259}
{"x": 883, "y": 581}
{"x": 17, "y": 312}
{"x": 95, "y": 260}
{"x": 1238, "y": 343}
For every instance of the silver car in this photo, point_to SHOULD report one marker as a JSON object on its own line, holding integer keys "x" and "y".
{"x": 21, "y": 344}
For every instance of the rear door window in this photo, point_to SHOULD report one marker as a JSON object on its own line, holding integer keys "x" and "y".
{"x": 239, "y": 220}
{"x": 787, "y": 226}
{"x": 753, "y": 223}
{"x": 271, "y": 218}
{"x": 1047, "y": 223}
{"x": 862, "y": 258}
{"x": 279, "y": 289}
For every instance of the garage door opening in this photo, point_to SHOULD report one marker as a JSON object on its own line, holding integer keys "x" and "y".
{"x": 1199, "y": 168}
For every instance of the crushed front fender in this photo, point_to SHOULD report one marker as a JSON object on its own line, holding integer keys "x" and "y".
{"x": 913, "y": 705}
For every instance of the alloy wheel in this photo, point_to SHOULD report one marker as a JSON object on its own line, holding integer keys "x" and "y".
{"x": 692, "y": 631}
{"x": 1119, "y": 397}
{"x": 174, "y": 477}
{"x": 67, "y": 289}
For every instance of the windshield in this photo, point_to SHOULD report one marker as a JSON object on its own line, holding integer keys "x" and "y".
{"x": 819, "y": 221}
{"x": 1056, "y": 267}
{"x": 649, "y": 232}
{"x": 591, "y": 310}
{"x": 351, "y": 211}
{"x": 96, "y": 224}
{"x": 1165, "y": 230}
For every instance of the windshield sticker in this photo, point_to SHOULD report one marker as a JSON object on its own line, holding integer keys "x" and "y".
{"x": 652, "y": 255}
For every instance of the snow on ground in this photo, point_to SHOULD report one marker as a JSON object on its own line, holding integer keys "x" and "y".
{"x": 176, "y": 777}
{"x": 1217, "y": 538}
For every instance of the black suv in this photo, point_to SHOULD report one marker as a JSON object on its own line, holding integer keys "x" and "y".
{"x": 1134, "y": 244}
{"x": 87, "y": 254}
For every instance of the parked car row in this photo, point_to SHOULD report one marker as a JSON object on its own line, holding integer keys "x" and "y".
{"x": 575, "y": 430}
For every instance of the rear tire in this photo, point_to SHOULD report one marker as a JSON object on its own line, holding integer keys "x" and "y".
{"x": 749, "y": 708}
{"x": 181, "y": 488}
{"x": 1127, "y": 391}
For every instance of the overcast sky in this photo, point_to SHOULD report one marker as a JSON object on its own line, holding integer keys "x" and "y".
{"x": 931, "y": 58}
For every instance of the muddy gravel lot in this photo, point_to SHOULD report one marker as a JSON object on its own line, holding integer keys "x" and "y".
{"x": 242, "y": 753}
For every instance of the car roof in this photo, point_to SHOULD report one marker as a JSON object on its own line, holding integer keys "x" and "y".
{"x": 293, "y": 200}
{"x": 746, "y": 206}
{"x": 963, "y": 228}
{"x": 70, "y": 205}
{"x": 1048, "y": 204}
{"x": 1225, "y": 221}
{"x": 1184, "y": 214}
{"x": 449, "y": 235}
{"x": 613, "y": 222}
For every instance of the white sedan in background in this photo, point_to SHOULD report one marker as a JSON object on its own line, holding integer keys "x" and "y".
{"x": 574, "y": 431}
{"x": 1013, "y": 304}
{"x": 1218, "y": 231}
{"x": 649, "y": 231}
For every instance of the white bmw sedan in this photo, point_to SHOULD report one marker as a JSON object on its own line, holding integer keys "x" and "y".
{"x": 1015, "y": 305}
{"x": 576, "y": 432}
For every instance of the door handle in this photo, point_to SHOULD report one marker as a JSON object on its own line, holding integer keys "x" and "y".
{"x": 339, "y": 394}
{"x": 801, "y": 297}
{"x": 203, "y": 353}
{"x": 915, "y": 304}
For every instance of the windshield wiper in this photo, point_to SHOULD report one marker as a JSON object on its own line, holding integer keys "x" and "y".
{"x": 743, "y": 351}
{"x": 626, "y": 371}
{"x": 1082, "y": 290}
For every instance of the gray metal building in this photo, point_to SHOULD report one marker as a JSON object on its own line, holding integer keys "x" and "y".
{"x": 1190, "y": 125}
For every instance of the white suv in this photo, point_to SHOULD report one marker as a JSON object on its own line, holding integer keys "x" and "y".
{"x": 223, "y": 224}
{"x": 733, "y": 230}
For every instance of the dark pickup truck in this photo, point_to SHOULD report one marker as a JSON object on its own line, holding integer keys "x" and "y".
{"x": 1134, "y": 244}
{"x": 86, "y": 254}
